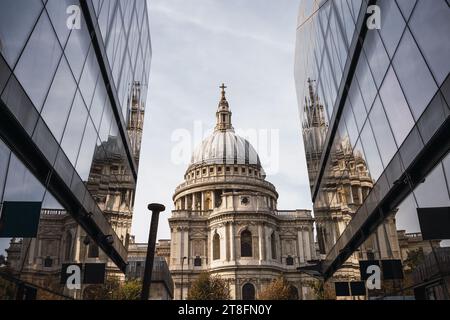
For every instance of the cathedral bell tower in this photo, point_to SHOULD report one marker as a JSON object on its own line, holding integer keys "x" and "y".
{"x": 223, "y": 114}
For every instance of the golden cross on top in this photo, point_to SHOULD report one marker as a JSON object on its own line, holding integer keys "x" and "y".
{"x": 223, "y": 87}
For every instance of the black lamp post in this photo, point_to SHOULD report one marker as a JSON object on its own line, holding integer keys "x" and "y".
{"x": 182, "y": 263}
{"x": 156, "y": 208}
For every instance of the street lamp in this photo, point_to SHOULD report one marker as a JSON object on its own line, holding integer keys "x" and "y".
{"x": 155, "y": 208}
{"x": 182, "y": 263}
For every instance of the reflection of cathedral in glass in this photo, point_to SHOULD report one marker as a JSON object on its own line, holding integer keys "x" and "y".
{"x": 345, "y": 186}
{"x": 60, "y": 239}
{"x": 110, "y": 180}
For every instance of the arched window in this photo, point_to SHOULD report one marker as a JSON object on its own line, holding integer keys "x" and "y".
{"x": 216, "y": 247}
{"x": 293, "y": 293}
{"x": 68, "y": 252}
{"x": 273, "y": 246}
{"x": 246, "y": 244}
{"x": 248, "y": 292}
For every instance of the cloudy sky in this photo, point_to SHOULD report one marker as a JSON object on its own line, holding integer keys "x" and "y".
{"x": 248, "y": 45}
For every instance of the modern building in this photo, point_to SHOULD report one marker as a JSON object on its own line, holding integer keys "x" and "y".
{"x": 161, "y": 287}
{"x": 226, "y": 221}
{"x": 73, "y": 83}
{"x": 374, "y": 108}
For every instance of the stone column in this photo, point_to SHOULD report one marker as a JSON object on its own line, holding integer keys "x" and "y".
{"x": 186, "y": 245}
{"x": 186, "y": 203}
{"x": 312, "y": 246}
{"x": 180, "y": 245}
{"x": 260, "y": 243}
{"x": 301, "y": 253}
{"x": 232, "y": 242}
{"x": 202, "y": 199}
{"x": 307, "y": 245}
{"x": 227, "y": 241}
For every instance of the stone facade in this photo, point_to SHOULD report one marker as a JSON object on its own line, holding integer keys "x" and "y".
{"x": 226, "y": 220}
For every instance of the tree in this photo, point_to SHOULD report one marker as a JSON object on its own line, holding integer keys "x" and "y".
{"x": 209, "y": 287}
{"x": 130, "y": 290}
{"x": 414, "y": 258}
{"x": 323, "y": 291}
{"x": 279, "y": 289}
{"x": 114, "y": 289}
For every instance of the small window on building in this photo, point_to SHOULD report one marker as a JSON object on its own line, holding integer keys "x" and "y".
{"x": 243, "y": 170}
{"x": 249, "y": 171}
{"x": 273, "y": 246}
{"x": 216, "y": 247}
{"x": 248, "y": 292}
{"x": 48, "y": 262}
{"x": 293, "y": 293}
{"x": 93, "y": 250}
{"x": 289, "y": 261}
{"x": 219, "y": 169}
{"x": 204, "y": 171}
{"x": 228, "y": 169}
{"x": 236, "y": 169}
{"x": 211, "y": 170}
{"x": 246, "y": 243}
{"x": 198, "y": 173}
{"x": 197, "y": 261}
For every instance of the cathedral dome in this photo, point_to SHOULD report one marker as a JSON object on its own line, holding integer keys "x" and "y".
{"x": 223, "y": 146}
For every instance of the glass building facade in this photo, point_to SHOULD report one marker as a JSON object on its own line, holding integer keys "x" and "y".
{"x": 374, "y": 106}
{"x": 73, "y": 83}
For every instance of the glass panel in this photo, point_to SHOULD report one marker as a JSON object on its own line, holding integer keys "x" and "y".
{"x": 87, "y": 149}
{"x": 366, "y": 82}
{"x": 21, "y": 185}
{"x": 89, "y": 77}
{"x": 433, "y": 192}
{"x": 57, "y": 106}
{"x": 406, "y": 6}
{"x": 357, "y": 103}
{"x": 74, "y": 129}
{"x": 382, "y": 131}
{"x": 351, "y": 124}
{"x": 396, "y": 107}
{"x": 417, "y": 83}
{"x": 57, "y": 11}
{"x": 106, "y": 122}
{"x": 430, "y": 25}
{"x": 361, "y": 165}
{"x": 17, "y": 19}
{"x": 4, "y": 161}
{"x": 77, "y": 48}
{"x": 377, "y": 56}
{"x": 446, "y": 163}
{"x": 392, "y": 25}
{"x": 98, "y": 103}
{"x": 371, "y": 152}
{"x": 37, "y": 65}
